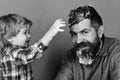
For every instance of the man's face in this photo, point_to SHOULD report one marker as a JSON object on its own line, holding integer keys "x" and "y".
{"x": 85, "y": 39}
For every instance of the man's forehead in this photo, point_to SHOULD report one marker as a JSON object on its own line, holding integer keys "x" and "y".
{"x": 85, "y": 24}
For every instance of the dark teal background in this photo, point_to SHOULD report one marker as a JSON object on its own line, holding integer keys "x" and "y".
{"x": 44, "y": 12}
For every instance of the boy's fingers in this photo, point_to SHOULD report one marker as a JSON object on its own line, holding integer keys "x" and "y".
{"x": 62, "y": 25}
{"x": 61, "y": 30}
{"x": 60, "y": 20}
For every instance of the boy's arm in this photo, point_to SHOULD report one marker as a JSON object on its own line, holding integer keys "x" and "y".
{"x": 28, "y": 55}
{"x": 23, "y": 56}
{"x": 46, "y": 39}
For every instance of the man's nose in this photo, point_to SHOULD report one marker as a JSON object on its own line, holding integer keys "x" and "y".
{"x": 79, "y": 38}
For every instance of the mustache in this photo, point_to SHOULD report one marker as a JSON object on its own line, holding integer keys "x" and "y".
{"x": 84, "y": 50}
{"x": 82, "y": 45}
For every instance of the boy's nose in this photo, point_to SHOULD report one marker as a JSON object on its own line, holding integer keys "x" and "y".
{"x": 28, "y": 36}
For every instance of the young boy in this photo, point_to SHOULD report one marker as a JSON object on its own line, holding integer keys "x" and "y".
{"x": 14, "y": 40}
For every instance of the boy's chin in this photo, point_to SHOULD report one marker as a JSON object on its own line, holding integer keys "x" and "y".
{"x": 26, "y": 45}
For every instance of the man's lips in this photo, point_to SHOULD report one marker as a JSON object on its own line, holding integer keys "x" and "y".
{"x": 83, "y": 48}
{"x": 79, "y": 51}
{"x": 83, "y": 52}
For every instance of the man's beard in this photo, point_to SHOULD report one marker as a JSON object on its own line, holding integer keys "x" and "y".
{"x": 86, "y": 50}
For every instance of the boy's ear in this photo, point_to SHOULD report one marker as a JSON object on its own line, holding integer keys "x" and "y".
{"x": 100, "y": 31}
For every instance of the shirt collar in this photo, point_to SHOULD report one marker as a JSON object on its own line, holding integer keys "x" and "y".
{"x": 103, "y": 46}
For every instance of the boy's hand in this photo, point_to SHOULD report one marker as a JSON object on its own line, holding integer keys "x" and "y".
{"x": 56, "y": 27}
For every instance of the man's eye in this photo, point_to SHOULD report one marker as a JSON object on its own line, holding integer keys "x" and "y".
{"x": 84, "y": 32}
{"x": 72, "y": 33}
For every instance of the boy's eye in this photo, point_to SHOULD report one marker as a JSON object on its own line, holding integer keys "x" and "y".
{"x": 25, "y": 32}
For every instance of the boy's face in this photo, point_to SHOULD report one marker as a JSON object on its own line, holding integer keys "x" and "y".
{"x": 22, "y": 39}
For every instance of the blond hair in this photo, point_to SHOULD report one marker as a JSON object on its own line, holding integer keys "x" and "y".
{"x": 9, "y": 26}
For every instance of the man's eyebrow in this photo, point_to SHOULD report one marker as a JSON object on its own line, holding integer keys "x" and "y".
{"x": 72, "y": 32}
{"x": 84, "y": 30}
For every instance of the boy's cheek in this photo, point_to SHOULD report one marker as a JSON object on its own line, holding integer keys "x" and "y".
{"x": 26, "y": 44}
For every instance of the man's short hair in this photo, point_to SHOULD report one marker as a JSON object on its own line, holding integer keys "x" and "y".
{"x": 85, "y": 12}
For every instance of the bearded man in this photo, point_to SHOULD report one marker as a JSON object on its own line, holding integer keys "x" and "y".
{"x": 93, "y": 55}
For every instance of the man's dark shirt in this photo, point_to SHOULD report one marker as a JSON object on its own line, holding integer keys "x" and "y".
{"x": 106, "y": 65}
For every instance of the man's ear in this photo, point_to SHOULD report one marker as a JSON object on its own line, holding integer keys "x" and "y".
{"x": 100, "y": 31}
{"x": 11, "y": 40}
